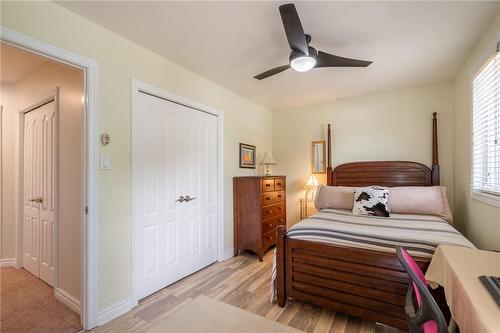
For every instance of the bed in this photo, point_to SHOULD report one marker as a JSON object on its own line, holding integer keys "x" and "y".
{"x": 358, "y": 273}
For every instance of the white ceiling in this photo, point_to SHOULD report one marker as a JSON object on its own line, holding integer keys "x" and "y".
{"x": 16, "y": 64}
{"x": 410, "y": 43}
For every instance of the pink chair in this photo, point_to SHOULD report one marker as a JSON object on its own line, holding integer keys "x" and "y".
{"x": 428, "y": 318}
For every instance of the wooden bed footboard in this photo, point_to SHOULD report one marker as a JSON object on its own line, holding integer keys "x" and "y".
{"x": 364, "y": 283}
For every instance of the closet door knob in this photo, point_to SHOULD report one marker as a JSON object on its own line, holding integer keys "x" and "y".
{"x": 187, "y": 198}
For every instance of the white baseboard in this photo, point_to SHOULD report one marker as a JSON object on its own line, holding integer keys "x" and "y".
{"x": 67, "y": 300}
{"x": 228, "y": 253}
{"x": 11, "y": 262}
{"x": 114, "y": 311}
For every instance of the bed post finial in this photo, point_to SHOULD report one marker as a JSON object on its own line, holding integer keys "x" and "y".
{"x": 435, "y": 157}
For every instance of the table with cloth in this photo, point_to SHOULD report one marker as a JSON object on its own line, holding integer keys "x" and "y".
{"x": 457, "y": 270}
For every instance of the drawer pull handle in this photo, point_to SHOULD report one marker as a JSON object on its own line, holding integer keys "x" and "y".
{"x": 268, "y": 198}
{"x": 279, "y": 195}
{"x": 281, "y": 220}
{"x": 269, "y": 237}
{"x": 280, "y": 208}
{"x": 267, "y": 185}
{"x": 270, "y": 225}
{"x": 269, "y": 211}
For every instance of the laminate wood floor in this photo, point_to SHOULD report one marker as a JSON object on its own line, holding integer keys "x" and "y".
{"x": 244, "y": 282}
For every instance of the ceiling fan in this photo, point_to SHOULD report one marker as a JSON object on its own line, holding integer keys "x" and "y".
{"x": 304, "y": 57}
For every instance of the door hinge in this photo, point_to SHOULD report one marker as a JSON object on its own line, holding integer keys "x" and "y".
{"x": 86, "y": 210}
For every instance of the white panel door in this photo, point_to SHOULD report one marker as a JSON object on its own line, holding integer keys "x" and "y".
{"x": 178, "y": 157}
{"x": 38, "y": 191}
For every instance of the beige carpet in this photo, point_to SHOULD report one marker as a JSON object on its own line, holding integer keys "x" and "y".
{"x": 205, "y": 315}
{"x": 28, "y": 305}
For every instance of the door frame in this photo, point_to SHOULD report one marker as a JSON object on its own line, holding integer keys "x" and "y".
{"x": 137, "y": 88}
{"x": 51, "y": 96}
{"x": 90, "y": 231}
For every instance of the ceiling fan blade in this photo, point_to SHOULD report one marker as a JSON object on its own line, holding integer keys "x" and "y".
{"x": 293, "y": 28}
{"x": 330, "y": 60}
{"x": 272, "y": 72}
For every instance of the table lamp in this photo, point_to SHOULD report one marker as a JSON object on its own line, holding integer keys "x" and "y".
{"x": 267, "y": 161}
{"x": 311, "y": 184}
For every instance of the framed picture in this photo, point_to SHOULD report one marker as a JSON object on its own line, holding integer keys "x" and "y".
{"x": 247, "y": 156}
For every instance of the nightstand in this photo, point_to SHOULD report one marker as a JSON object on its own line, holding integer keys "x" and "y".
{"x": 307, "y": 208}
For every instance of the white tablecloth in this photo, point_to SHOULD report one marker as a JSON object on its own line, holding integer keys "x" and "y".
{"x": 457, "y": 270}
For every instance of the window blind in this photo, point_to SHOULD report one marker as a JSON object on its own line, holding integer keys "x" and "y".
{"x": 486, "y": 127}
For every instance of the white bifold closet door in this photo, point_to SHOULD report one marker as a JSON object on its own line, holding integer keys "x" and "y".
{"x": 39, "y": 191}
{"x": 177, "y": 158}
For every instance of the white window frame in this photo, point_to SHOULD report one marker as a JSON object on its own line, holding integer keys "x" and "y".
{"x": 478, "y": 195}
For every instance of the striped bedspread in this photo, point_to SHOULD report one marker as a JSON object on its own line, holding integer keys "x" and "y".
{"x": 420, "y": 235}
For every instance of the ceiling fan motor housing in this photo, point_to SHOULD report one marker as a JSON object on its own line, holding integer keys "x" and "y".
{"x": 295, "y": 54}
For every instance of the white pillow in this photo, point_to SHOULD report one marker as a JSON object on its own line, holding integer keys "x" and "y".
{"x": 371, "y": 201}
{"x": 336, "y": 197}
{"x": 420, "y": 200}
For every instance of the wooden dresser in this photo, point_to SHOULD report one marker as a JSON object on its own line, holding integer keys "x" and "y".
{"x": 259, "y": 207}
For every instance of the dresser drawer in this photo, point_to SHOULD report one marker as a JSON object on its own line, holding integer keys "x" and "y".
{"x": 270, "y": 198}
{"x": 267, "y": 185}
{"x": 273, "y": 210}
{"x": 281, "y": 220}
{"x": 268, "y": 226}
{"x": 279, "y": 184}
{"x": 269, "y": 239}
{"x": 271, "y": 224}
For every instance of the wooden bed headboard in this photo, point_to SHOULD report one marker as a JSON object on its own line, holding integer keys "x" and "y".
{"x": 385, "y": 173}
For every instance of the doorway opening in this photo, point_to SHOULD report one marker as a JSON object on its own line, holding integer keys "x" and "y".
{"x": 43, "y": 192}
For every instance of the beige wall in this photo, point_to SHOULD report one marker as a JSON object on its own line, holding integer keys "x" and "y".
{"x": 119, "y": 61}
{"x": 395, "y": 125}
{"x": 9, "y": 134}
{"x": 480, "y": 221}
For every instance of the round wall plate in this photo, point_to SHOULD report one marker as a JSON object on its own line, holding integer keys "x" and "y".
{"x": 105, "y": 139}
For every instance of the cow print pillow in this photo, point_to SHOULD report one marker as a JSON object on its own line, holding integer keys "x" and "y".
{"x": 371, "y": 201}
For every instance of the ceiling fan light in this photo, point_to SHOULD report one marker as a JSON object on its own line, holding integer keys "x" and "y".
{"x": 303, "y": 63}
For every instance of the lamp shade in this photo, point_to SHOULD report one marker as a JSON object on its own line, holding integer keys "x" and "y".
{"x": 312, "y": 182}
{"x": 268, "y": 159}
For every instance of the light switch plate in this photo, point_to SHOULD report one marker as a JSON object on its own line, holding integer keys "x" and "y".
{"x": 105, "y": 162}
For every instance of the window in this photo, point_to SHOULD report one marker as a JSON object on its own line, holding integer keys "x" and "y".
{"x": 486, "y": 130}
